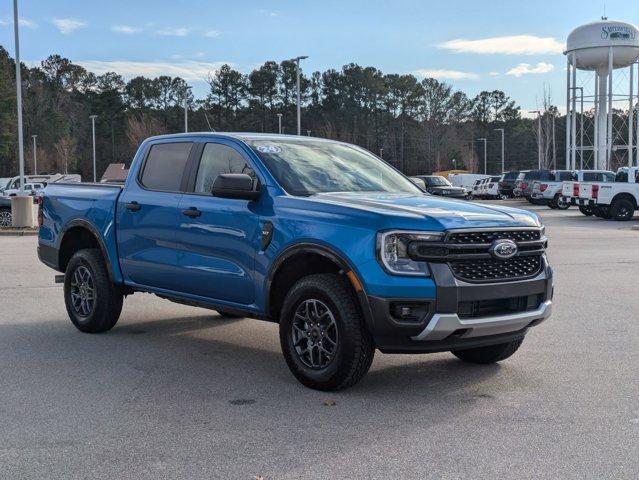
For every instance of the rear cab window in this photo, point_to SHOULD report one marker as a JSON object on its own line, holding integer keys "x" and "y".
{"x": 164, "y": 166}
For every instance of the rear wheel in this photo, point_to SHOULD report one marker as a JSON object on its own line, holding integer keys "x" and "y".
{"x": 93, "y": 302}
{"x": 492, "y": 354}
{"x": 325, "y": 343}
{"x": 622, "y": 210}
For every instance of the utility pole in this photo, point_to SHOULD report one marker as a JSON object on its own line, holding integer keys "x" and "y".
{"x": 554, "y": 149}
{"x": 299, "y": 96}
{"x": 485, "y": 154}
{"x": 279, "y": 122}
{"x": 93, "y": 117}
{"x": 35, "y": 156}
{"x": 18, "y": 93}
{"x": 502, "y": 149}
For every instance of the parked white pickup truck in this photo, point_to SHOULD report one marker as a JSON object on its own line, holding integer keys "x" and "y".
{"x": 550, "y": 191}
{"x": 571, "y": 191}
{"x": 618, "y": 199}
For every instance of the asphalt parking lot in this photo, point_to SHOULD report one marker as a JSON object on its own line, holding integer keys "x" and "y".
{"x": 177, "y": 392}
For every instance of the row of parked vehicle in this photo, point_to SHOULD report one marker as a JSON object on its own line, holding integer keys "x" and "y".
{"x": 601, "y": 193}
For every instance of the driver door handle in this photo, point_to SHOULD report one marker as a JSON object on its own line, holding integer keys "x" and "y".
{"x": 133, "y": 206}
{"x": 191, "y": 212}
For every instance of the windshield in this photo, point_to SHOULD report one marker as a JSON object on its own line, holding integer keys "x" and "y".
{"x": 437, "y": 181}
{"x": 306, "y": 167}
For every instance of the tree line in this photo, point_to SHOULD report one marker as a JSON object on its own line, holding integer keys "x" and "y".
{"x": 419, "y": 126}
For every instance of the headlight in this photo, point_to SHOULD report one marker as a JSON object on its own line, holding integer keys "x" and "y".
{"x": 392, "y": 251}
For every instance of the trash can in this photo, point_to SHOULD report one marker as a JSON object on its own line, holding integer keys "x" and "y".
{"x": 23, "y": 211}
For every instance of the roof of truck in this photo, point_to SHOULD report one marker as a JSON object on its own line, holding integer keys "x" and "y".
{"x": 244, "y": 136}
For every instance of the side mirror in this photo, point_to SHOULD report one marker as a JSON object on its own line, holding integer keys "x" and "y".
{"x": 235, "y": 185}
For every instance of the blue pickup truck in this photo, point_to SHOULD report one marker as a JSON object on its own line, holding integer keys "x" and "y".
{"x": 340, "y": 249}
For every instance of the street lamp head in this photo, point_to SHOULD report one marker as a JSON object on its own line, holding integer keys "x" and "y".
{"x": 93, "y": 116}
{"x": 481, "y": 139}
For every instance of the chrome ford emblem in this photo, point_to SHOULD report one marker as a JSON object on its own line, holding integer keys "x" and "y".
{"x": 503, "y": 249}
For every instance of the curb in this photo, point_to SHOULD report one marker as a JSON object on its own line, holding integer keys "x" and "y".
{"x": 17, "y": 232}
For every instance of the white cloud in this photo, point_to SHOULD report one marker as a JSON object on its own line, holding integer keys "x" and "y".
{"x": 526, "y": 69}
{"x": 493, "y": 74}
{"x": 23, "y": 22}
{"x": 128, "y": 29}
{"x": 199, "y": 54}
{"x": 442, "y": 74}
{"x": 68, "y": 25}
{"x": 174, "y": 32}
{"x": 508, "y": 45}
{"x": 188, "y": 70}
{"x": 212, "y": 34}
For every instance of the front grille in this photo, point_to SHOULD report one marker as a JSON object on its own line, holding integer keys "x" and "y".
{"x": 499, "y": 306}
{"x": 490, "y": 269}
{"x": 489, "y": 237}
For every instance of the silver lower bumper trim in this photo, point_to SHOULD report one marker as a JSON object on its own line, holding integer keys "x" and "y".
{"x": 443, "y": 324}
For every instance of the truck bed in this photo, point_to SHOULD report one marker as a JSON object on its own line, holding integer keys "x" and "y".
{"x": 65, "y": 205}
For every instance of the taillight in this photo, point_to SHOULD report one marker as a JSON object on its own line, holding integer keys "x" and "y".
{"x": 38, "y": 201}
{"x": 503, "y": 184}
{"x": 595, "y": 191}
{"x": 523, "y": 185}
{"x": 543, "y": 187}
{"x": 575, "y": 189}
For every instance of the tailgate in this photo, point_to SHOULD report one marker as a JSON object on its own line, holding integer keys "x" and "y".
{"x": 585, "y": 191}
{"x": 567, "y": 189}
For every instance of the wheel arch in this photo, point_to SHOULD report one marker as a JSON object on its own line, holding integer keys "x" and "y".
{"x": 79, "y": 234}
{"x": 317, "y": 258}
{"x": 624, "y": 196}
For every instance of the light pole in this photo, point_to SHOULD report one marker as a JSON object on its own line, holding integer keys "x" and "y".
{"x": 93, "y": 117}
{"x": 18, "y": 93}
{"x": 279, "y": 122}
{"x": 502, "y": 148}
{"x": 299, "y": 99}
{"x": 538, "y": 137}
{"x": 186, "y": 109}
{"x": 485, "y": 157}
{"x": 35, "y": 156}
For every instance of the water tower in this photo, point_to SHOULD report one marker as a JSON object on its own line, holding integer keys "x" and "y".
{"x": 600, "y": 101}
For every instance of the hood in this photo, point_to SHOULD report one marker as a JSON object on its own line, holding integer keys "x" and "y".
{"x": 427, "y": 211}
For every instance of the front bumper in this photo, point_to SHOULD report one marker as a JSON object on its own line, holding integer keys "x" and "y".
{"x": 440, "y": 325}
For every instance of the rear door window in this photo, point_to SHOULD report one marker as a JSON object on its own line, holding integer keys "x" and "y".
{"x": 564, "y": 176}
{"x": 164, "y": 166}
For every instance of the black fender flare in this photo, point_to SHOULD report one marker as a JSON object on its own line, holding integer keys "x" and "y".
{"x": 82, "y": 223}
{"x": 330, "y": 254}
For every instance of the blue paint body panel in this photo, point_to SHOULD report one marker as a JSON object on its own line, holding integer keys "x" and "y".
{"x": 217, "y": 258}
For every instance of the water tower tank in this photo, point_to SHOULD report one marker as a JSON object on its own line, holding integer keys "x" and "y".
{"x": 591, "y": 44}
{"x": 610, "y": 49}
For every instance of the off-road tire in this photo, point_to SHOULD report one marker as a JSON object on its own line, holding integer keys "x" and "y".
{"x": 491, "y": 354}
{"x": 355, "y": 347}
{"x": 622, "y": 210}
{"x": 108, "y": 298}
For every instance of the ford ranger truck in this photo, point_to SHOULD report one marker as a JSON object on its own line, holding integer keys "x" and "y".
{"x": 342, "y": 251}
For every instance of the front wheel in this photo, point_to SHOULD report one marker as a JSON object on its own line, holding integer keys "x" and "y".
{"x": 491, "y": 354}
{"x": 322, "y": 333}
{"x": 5, "y": 217}
{"x": 93, "y": 302}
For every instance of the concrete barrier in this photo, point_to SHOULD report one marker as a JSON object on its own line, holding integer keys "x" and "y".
{"x": 23, "y": 212}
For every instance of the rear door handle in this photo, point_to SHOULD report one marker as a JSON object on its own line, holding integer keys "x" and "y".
{"x": 191, "y": 212}
{"x": 133, "y": 206}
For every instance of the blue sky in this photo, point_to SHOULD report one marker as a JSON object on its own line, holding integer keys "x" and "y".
{"x": 512, "y": 45}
